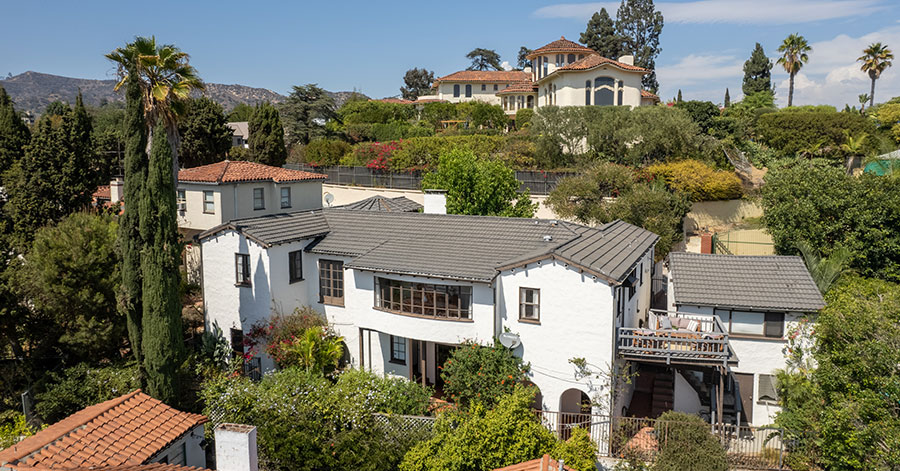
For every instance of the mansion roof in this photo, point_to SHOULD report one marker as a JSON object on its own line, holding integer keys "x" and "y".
{"x": 230, "y": 171}
{"x": 758, "y": 282}
{"x": 459, "y": 247}
{"x": 561, "y": 45}
{"x": 490, "y": 76}
{"x": 594, "y": 60}
{"x": 525, "y": 87}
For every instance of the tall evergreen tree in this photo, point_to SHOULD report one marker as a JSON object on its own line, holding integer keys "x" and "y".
{"x": 757, "y": 72}
{"x": 727, "y": 99}
{"x": 130, "y": 241}
{"x": 14, "y": 135}
{"x": 639, "y": 24}
{"x": 266, "y": 136}
{"x": 205, "y": 138}
{"x": 305, "y": 113}
{"x": 678, "y": 98}
{"x": 522, "y": 60}
{"x": 601, "y": 35}
{"x": 484, "y": 59}
{"x": 162, "y": 341}
{"x": 416, "y": 82}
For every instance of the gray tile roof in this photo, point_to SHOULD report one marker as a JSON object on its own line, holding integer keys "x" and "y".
{"x": 382, "y": 203}
{"x": 451, "y": 246}
{"x": 772, "y": 282}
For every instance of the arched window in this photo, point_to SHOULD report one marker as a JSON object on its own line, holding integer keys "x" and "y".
{"x": 621, "y": 92}
{"x": 530, "y": 101}
{"x": 571, "y": 58}
{"x": 587, "y": 93}
{"x": 559, "y": 60}
{"x": 468, "y": 90}
{"x": 554, "y": 95}
{"x": 604, "y": 94}
{"x": 456, "y": 91}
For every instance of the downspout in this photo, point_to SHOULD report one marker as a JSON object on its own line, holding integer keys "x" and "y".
{"x": 202, "y": 285}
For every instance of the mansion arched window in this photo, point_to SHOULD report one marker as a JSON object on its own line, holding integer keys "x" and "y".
{"x": 604, "y": 91}
{"x": 587, "y": 93}
{"x": 621, "y": 90}
{"x": 456, "y": 91}
{"x": 571, "y": 58}
{"x": 468, "y": 91}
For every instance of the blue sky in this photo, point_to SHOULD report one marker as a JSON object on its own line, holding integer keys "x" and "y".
{"x": 367, "y": 46}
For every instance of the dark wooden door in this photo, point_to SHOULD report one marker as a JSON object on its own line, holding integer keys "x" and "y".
{"x": 745, "y": 388}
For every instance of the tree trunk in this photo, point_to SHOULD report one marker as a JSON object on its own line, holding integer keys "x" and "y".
{"x": 791, "y": 91}
{"x": 872, "y": 94}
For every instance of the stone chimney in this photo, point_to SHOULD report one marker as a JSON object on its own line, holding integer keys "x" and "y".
{"x": 116, "y": 189}
{"x": 236, "y": 448}
{"x": 436, "y": 201}
{"x": 626, "y": 59}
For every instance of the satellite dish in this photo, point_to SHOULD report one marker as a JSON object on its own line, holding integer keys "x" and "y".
{"x": 509, "y": 340}
{"x": 329, "y": 198}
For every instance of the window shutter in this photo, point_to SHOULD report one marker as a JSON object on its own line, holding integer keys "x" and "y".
{"x": 767, "y": 391}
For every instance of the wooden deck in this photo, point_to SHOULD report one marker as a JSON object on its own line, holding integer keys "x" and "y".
{"x": 704, "y": 341}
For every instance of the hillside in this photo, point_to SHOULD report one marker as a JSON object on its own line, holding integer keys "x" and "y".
{"x": 33, "y": 91}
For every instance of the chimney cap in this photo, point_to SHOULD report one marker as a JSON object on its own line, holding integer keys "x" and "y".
{"x": 435, "y": 191}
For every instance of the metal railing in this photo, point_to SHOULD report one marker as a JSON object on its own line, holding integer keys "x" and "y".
{"x": 678, "y": 337}
{"x": 562, "y": 424}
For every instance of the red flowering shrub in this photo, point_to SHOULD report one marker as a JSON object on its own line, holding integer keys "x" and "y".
{"x": 478, "y": 373}
{"x": 302, "y": 339}
{"x": 377, "y": 155}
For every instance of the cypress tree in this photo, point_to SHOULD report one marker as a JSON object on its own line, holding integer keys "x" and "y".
{"x": 266, "y": 136}
{"x": 14, "y": 134}
{"x": 80, "y": 172}
{"x": 601, "y": 35}
{"x": 678, "y": 99}
{"x": 757, "y": 72}
{"x": 727, "y": 99}
{"x": 130, "y": 241}
{"x": 162, "y": 342}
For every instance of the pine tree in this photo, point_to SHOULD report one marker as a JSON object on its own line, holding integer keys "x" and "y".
{"x": 727, "y": 99}
{"x": 130, "y": 241}
{"x": 601, "y": 35}
{"x": 757, "y": 72}
{"x": 678, "y": 98}
{"x": 639, "y": 24}
{"x": 266, "y": 136}
{"x": 162, "y": 342}
{"x": 14, "y": 135}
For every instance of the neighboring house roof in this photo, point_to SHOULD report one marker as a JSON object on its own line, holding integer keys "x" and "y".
{"x": 102, "y": 192}
{"x": 382, "y": 203}
{"x": 401, "y": 101}
{"x": 526, "y": 87}
{"x": 593, "y": 61}
{"x": 229, "y": 171}
{"x": 646, "y": 94}
{"x": 757, "y": 282}
{"x": 459, "y": 247}
{"x": 239, "y": 128}
{"x": 544, "y": 463}
{"x": 127, "y": 430}
{"x": 139, "y": 467}
{"x": 499, "y": 76}
{"x": 561, "y": 45}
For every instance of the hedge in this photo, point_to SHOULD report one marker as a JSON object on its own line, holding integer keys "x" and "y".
{"x": 422, "y": 152}
{"x": 700, "y": 181}
{"x": 791, "y": 133}
{"x": 322, "y": 152}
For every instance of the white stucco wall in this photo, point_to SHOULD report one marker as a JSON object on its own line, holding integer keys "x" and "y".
{"x": 445, "y": 92}
{"x": 570, "y": 86}
{"x": 194, "y": 453}
{"x": 235, "y": 201}
{"x": 686, "y": 399}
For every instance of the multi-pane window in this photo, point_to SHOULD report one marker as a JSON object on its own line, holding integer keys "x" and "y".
{"x": 295, "y": 265}
{"x": 286, "y": 197}
{"x": 495, "y": 87}
{"x": 774, "y": 324}
{"x": 604, "y": 91}
{"x": 456, "y": 90}
{"x": 398, "y": 350}
{"x": 439, "y": 301}
{"x": 767, "y": 324}
{"x": 209, "y": 202}
{"x": 570, "y": 58}
{"x": 529, "y": 304}
{"x": 259, "y": 198}
{"x": 181, "y": 200}
{"x": 331, "y": 282}
{"x": 242, "y": 269}
{"x": 483, "y": 86}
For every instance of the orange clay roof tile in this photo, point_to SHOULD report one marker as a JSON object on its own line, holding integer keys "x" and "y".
{"x": 561, "y": 45}
{"x": 544, "y": 463}
{"x": 498, "y": 76}
{"x": 229, "y": 171}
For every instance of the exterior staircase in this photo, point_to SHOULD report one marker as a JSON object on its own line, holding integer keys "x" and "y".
{"x": 663, "y": 398}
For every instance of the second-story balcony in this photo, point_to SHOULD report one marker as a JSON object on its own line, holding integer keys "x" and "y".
{"x": 677, "y": 338}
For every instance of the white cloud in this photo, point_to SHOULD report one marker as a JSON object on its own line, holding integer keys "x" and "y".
{"x": 731, "y": 11}
{"x": 700, "y": 68}
{"x": 505, "y": 65}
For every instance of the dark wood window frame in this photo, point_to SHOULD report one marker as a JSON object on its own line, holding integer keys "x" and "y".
{"x": 295, "y": 266}
{"x": 261, "y": 199}
{"x": 209, "y": 202}
{"x": 398, "y": 350}
{"x": 331, "y": 282}
{"x": 443, "y": 302}
{"x": 285, "y": 191}
{"x": 534, "y": 304}
{"x": 242, "y": 270}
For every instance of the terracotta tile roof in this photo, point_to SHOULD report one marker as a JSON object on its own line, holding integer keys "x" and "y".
{"x": 526, "y": 87}
{"x": 506, "y": 76}
{"x": 401, "y": 101}
{"x": 646, "y": 94}
{"x": 595, "y": 60}
{"x": 229, "y": 171}
{"x": 544, "y": 463}
{"x": 562, "y": 45}
{"x": 139, "y": 467}
{"x": 102, "y": 192}
{"x": 127, "y": 430}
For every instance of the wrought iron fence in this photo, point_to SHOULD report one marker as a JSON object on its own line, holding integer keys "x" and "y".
{"x": 537, "y": 182}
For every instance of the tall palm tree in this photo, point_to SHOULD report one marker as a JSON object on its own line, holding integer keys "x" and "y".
{"x": 167, "y": 80}
{"x": 875, "y": 59}
{"x": 794, "y": 53}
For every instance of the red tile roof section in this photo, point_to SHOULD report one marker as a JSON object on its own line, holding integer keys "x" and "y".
{"x": 140, "y": 467}
{"x": 102, "y": 192}
{"x": 561, "y": 45}
{"x": 229, "y": 171}
{"x": 498, "y": 76}
{"x": 595, "y": 60}
{"x": 526, "y": 87}
{"x": 646, "y": 94}
{"x": 127, "y": 430}
{"x": 544, "y": 463}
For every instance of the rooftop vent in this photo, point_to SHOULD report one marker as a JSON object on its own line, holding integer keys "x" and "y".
{"x": 554, "y": 222}
{"x": 548, "y": 238}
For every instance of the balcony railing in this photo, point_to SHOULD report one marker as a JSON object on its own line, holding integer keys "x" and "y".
{"x": 676, "y": 337}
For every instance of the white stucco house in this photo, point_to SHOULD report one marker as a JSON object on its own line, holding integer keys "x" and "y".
{"x": 564, "y": 73}
{"x": 240, "y": 133}
{"x": 405, "y": 288}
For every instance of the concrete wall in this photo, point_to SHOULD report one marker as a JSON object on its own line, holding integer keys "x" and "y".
{"x": 719, "y": 214}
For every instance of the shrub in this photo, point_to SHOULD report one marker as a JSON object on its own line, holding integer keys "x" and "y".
{"x": 325, "y": 152}
{"x": 524, "y": 117}
{"x": 83, "y": 385}
{"x": 888, "y": 118}
{"x": 686, "y": 443}
{"x": 301, "y": 339}
{"x": 374, "y": 111}
{"x": 13, "y": 428}
{"x": 698, "y": 180}
{"x": 239, "y": 153}
{"x": 703, "y": 113}
{"x": 375, "y": 155}
{"x": 434, "y": 113}
{"x": 812, "y": 132}
{"x": 483, "y": 374}
{"x": 424, "y": 152}
{"x": 578, "y": 452}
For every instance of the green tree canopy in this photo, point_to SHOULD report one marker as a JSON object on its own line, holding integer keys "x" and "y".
{"x": 703, "y": 113}
{"x": 305, "y": 113}
{"x": 484, "y": 59}
{"x": 757, "y": 72}
{"x": 482, "y": 374}
{"x": 522, "y": 60}
{"x": 479, "y": 187}
{"x": 240, "y": 112}
{"x": 601, "y": 36}
{"x": 266, "y": 136}
{"x": 687, "y": 444}
{"x": 416, "y": 82}
{"x": 14, "y": 134}
{"x": 204, "y": 136}
{"x": 639, "y": 24}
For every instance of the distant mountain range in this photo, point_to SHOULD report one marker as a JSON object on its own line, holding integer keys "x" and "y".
{"x": 33, "y": 91}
